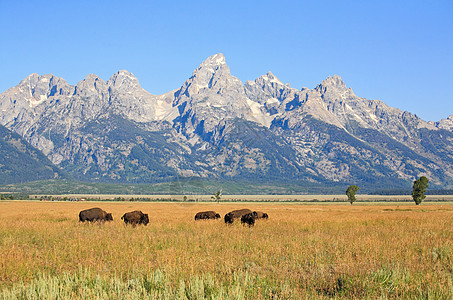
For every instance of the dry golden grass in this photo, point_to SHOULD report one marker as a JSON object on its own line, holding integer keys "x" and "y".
{"x": 301, "y": 251}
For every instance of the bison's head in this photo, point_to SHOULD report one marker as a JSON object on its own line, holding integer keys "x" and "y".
{"x": 249, "y": 219}
{"x": 228, "y": 219}
{"x": 145, "y": 219}
{"x": 109, "y": 217}
{"x": 265, "y": 216}
{"x": 217, "y": 216}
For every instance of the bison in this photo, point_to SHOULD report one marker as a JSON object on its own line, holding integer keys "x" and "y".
{"x": 94, "y": 215}
{"x": 235, "y": 214}
{"x": 261, "y": 215}
{"x": 206, "y": 215}
{"x": 249, "y": 219}
{"x": 135, "y": 217}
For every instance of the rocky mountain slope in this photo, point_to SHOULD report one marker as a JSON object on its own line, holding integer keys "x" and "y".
{"x": 20, "y": 162}
{"x": 444, "y": 123}
{"x": 214, "y": 126}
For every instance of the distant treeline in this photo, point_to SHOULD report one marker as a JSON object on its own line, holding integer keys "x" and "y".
{"x": 6, "y": 197}
{"x": 144, "y": 199}
{"x": 409, "y": 192}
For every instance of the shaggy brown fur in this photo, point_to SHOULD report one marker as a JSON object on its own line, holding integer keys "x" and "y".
{"x": 235, "y": 214}
{"x": 249, "y": 219}
{"x": 94, "y": 214}
{"x": 206, "y": 215}
{"x": 135, "y": 217}
{"x": 261, "y": 215}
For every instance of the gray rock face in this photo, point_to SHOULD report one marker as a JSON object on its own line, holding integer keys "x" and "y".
{"x": 129, "y": 99}
{"x": 215, "y": 126}
{"x": 446, "y": 124}
{"x": 123, "y": 82}
{"x": 20, "y": 162}
{"x": 21, "y": 101}
{"x": 211, "y": 97}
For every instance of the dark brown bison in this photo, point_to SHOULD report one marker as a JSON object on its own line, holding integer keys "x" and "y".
{"x": 206, "y": 215}
{"x": 249, "y": 218}
{"x": 94, "y": 215}
{"x": 235, "y": 214}
{"x": 261, "y": 215}
{"x": 135, "y": 217}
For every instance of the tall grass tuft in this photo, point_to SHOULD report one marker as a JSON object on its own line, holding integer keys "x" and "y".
{"x": 156, "y": 285}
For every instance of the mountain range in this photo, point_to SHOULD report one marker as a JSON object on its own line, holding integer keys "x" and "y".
{"x": 215, "y": 126}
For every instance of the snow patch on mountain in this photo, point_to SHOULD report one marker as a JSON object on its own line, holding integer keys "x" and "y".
{"x": 260, "y": 117}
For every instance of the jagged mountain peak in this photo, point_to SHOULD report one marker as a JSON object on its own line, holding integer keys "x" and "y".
{"x": 90, "y": 78}
{"x": 123, "y": 80}
{"x": 90, "y": 81}
{"x": 444, "y": 123}
{"x": 123, "y": 73}
{"x": 30, "y": 79}
{"x": 268, "y": 89}
{"x": 216, "y": 59}
{"x": 38, "y": 88}
{"x": 268, "y": 83}
{"x": 215, "y": 64}
{"x": 214, "y": 75}
{"x": 334, "y": 87}
{"x": 334, "y": 81}
{"x": 90, "y": 86}
{"x": 271, "y": 78}
{"x": 34, "y": 79}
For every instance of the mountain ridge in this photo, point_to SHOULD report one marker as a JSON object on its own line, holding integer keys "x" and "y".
{"x": 324, "y": 134}
{"x": 20, "y": 162}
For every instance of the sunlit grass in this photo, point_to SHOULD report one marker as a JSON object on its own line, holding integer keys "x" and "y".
{"x": 300, "y": 252}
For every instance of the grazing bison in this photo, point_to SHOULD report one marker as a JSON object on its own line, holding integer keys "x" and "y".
{"x": 249, "y": 219}
{"x": 135, "y": 217}
{"x": 235, "y": 214}
{"x": 206, "y": 215}
{"x": 261, "y": 215}
{"x": 94, "y": 215}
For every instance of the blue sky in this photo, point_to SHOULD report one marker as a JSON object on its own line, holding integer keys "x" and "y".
{"x": 400, "y": 52}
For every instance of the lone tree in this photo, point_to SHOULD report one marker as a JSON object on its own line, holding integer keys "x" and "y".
{"x": 217, "y": 195}
{"x": 419, "y": 189}
{"x": 351, "y": 191}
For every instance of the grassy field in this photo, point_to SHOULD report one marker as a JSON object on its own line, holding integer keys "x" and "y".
{"x": 302, "y": 251}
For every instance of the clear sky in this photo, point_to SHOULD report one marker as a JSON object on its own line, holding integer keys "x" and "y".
{"x": 400, "y": 52}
